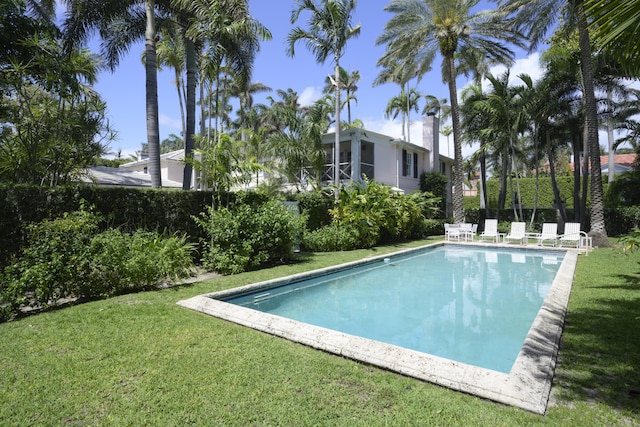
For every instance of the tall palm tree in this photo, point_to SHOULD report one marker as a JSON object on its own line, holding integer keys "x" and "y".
{"x": 232, "y": 37}
{"x": 120, "y": 24}
{"x": 420, "y": 29}
{"x": 473, "y": 63}
{"x": 329, "y": 29}
{"x": 536, "y": 17}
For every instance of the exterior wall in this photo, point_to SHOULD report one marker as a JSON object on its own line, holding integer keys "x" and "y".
{"x": 387, "y": 164}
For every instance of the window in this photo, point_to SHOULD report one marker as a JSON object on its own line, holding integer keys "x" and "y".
{"x": 409, "y": 164}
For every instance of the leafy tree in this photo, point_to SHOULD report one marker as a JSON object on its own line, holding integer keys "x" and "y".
{"x": 420, "y": 29}
{"x": 230, "y": 37}
{"x": 329, "y": 29}
{"x": 52, "y": 124}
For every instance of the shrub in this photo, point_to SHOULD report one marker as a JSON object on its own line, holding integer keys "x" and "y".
{"x": 380, "y": 215}
{"x": 436, "y": 184}
{"x": 55, "y": 264}
{"x": 331, "y": 238}
{"x": 245, "y": 237}
{"x": 315, "y": 206}
{"x": 66, "y": 259}
{"x": 122, "y": 262}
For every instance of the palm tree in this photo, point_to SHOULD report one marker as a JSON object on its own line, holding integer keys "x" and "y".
{"x": 420, "y": 29}
{"x": 403, "y": 104}
{"x": 536, "y": 17}
{"x": 170, "y": 52}
{"x": 613, "y": 24}
{"x": 120, "y": 24}
{"x": 232, "y": 37}
{"x": 329, "y": 30}
{"x": 348, "y": 83}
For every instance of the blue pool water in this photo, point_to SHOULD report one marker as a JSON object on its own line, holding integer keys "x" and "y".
{"x": 470, "y": 304}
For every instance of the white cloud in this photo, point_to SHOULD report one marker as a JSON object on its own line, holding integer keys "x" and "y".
{"x": 529, "y": 65}
{"x": 169, "y": 122}
{"x": 309, "y": 95}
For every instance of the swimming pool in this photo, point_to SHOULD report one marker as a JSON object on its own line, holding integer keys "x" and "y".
{"x": 522, "y": 379}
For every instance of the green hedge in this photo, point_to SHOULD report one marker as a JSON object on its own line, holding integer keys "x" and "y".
{"x": 165, "y": 211}
{"x": 528, "y": 191}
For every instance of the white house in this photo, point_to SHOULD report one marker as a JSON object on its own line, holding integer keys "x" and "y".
{"x": 387, "y": 160}
{"x": 171, "y": 167}
{"x": 381, "y": 158}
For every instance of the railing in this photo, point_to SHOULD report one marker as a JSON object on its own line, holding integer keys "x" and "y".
{"x": 366, "y": 169}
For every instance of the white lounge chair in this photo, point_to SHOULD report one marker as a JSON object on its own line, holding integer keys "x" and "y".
{"x": 517, "y": 232}
{"x": 549, "y": 234}
{"x": 574, "y": 237}
{"x": 490, "y": 230}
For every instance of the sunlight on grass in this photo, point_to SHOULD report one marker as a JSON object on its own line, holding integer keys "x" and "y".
{"x": 141, "y": 359}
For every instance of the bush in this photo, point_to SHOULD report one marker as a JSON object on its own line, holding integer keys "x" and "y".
{"x": 246, "y": 237}
{"x": 66, "y": 259}
{"x": 315, "y": 206}
{"x": 55, "y": 264}
{"x": 123, "y": 262}
{"x": 380, "y": 215}
{"x": 436, "y": 184}
{"x": 331, "y": 238}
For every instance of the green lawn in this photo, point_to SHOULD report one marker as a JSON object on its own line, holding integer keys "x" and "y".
{"x": 140, "y": 359}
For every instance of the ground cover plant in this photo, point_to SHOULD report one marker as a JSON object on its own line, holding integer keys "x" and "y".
{"x": 139, "y": 359}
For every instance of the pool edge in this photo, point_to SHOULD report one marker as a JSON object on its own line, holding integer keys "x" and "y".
{"x": 527, "y": 386}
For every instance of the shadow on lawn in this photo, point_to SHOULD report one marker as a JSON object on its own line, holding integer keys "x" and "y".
{"x": 599, "y": 359}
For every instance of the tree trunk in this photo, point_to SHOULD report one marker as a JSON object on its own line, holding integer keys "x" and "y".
{"x": 598, "y": 230}
{"x": 189, "y": 143}
{"x": 151, "y": 70}
{"x": 458, "y": 201}
{"x": 610, "y": 139}
{"x": 336, "y": 151}
{"x": 483, "y": 180}
{"x": 577, "y": 166}
{"x": 554, "y": 185}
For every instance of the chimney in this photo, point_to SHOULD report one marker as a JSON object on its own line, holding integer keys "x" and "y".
{"x": 430, "y": 141}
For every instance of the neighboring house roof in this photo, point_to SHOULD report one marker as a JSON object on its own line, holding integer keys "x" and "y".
{"x": 119, "y": 177}
{"x": 176, "y": 156}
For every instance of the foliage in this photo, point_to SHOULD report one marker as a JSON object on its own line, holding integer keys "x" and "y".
{"x": 129, "y": 209}
{"x": 65, "y": 258}
{"x": 380, "y": 215}
{"x": 528, "y": 191}
{"x": 55, "y": 263}
{"x": 245, "y": 237}
{"x": 631, "y": 241}
{"x": 435, "y": 183}
{"x": 624, "y": 190}
{"x": 121, "y": 261}
{"x": 332, "y": 237}
{"x": 52, "y": 124}
{"x": 315, "y": 206}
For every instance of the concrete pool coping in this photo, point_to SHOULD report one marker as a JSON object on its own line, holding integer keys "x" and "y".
{"x": 526, "y": 386}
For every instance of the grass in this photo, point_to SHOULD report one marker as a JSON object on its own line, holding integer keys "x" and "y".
{"x": 140, "y": 359}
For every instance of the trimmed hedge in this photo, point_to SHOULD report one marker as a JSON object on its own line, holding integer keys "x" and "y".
{"x": 129, "y": 209}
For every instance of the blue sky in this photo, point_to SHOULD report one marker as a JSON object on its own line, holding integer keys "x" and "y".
{"x": 124, "y": 90}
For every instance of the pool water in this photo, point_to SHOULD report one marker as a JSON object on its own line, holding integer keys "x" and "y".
{"x": 471, "y": 304}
